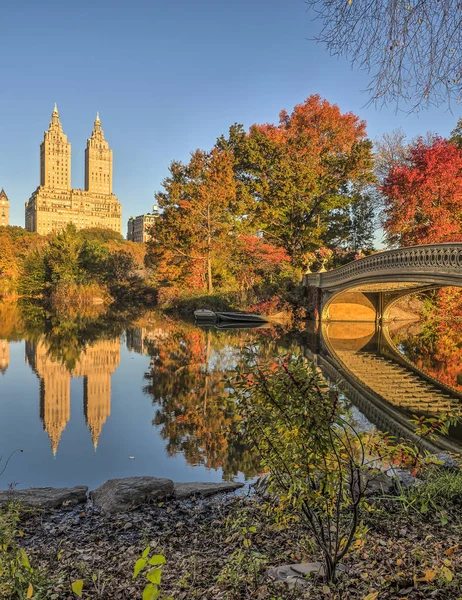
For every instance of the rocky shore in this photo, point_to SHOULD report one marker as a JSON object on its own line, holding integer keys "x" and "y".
{"x": 202, "y": 530}
{"x": 116, "y": 495}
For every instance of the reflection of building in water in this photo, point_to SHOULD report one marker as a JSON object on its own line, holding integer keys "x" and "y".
{"x": 139, "y": 338}
{"x": 96, "y": 365}
{"x": 4, "y": 356}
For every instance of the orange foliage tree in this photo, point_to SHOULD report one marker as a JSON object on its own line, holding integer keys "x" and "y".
{"x": 197, "y": 220}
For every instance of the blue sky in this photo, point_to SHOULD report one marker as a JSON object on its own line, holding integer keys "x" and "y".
{"x": 167, "y": 77}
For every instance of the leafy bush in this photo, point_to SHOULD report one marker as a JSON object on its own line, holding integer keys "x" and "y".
{"x": 18, "y": 580}
{"x": 319, "y": 465}
{"x": 153, "y": 574}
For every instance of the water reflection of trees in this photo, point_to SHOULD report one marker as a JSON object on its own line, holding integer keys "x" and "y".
{"x": 436, "y": 346}
{"x": 67, "y": 334}
{"x": 187, "y": 379}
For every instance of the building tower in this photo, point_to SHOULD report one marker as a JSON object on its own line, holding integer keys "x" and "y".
{"x": 55, "y": 156}
{"x": 98, "y": 162}
{"x": 4, "y": 209}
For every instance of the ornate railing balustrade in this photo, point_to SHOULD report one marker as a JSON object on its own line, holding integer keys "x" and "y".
{"x": 439, "y": 264}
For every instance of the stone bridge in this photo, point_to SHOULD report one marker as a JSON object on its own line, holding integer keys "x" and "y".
{"x": 366, "y": 289}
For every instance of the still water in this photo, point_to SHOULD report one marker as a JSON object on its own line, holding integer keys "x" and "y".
{"x": 100, "y": 398}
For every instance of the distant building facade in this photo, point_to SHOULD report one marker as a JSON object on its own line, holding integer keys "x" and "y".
{"x": 54, "y": 203}
{"x": 138, "y": 227}
{"x": 4, "y": 209}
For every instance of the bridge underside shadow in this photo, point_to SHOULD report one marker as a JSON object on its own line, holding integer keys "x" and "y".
{"x": 371, "y": 304}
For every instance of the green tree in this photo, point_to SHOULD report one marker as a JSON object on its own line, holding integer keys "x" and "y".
{"x": 352, "y": 228}
{"x": 62, "y": 257}
{"x": 34, "y": 274}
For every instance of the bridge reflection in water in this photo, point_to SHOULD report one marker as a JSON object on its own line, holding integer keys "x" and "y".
{"x": 364, "y": 363}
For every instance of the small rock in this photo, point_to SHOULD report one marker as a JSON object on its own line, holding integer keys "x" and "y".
{"x": 379, "y": 484}
{"x": 128, "y": 525}
{"x": 402, "y": 479}
{"x": 447, "y": 461}
{"x": 296, "y": 574}
{"x": 186, "y": 490}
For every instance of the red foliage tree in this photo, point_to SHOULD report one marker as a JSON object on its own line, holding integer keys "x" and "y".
{"x": 423, "y": 197}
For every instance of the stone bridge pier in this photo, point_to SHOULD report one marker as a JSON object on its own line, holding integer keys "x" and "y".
{"x": 366, "y": 289}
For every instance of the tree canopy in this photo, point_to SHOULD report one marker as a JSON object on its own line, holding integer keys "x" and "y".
{"x": 259, "y": 200}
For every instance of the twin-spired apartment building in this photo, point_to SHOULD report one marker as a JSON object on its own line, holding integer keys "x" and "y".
{"x": 54, "y": 203}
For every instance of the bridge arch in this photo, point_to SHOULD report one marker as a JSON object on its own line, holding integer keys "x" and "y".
{"x": 365, "y": 289}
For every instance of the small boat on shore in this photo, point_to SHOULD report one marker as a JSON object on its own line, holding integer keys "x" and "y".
{"x": 228, "y": 317}
{"x": 224, "y": 317}
{"x": 205, "y": 315}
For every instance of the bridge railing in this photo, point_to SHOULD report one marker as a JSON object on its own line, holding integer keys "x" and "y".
{"x": 446, "y": 258}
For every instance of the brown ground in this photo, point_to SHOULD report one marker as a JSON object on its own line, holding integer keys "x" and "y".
{"x": 404, "y": 556}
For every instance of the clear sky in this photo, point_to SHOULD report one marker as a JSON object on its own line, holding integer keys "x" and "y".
{"x": 166, "y": 77}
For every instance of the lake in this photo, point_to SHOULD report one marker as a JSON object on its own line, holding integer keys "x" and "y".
{"x": 91, "y": 399}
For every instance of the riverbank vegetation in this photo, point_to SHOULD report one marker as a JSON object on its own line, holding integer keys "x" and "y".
{"x": 240, "y": 223}
{"x": 71, "y": 269}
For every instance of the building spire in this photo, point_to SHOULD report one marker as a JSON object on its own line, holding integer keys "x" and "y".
{"x": 55, "y": 115}
{"x": 97, "y": 133}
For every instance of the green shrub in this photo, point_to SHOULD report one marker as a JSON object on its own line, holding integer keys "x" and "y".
{"x": 18, "y": 579}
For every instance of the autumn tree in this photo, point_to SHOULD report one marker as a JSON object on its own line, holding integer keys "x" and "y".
{"x": 256, "y": 261}
{"x": 292, "y": 176}
{"x": 423, "y": 196}
{"x": 15, "y": 244}
{"x": 412, "y": 49}
{"x": 197, "y": 220}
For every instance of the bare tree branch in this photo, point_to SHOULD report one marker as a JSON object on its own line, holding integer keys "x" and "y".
{"x": 412, "y": 48}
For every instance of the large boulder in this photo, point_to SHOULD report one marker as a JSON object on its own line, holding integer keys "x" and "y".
{"x": 118, "y": 495}
{"x": 46, "y": 497}
{"x": 186, "y": 490}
